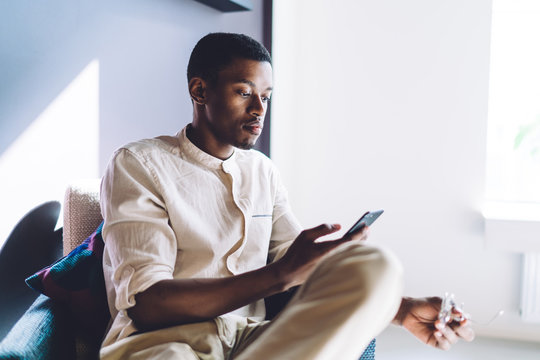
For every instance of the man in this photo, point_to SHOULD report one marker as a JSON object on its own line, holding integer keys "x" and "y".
{"x": 198, "y": 231}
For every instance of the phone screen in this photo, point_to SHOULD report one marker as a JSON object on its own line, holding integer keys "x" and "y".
{"x": 367, "y": 219}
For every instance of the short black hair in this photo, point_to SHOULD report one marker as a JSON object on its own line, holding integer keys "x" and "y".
{"x": 216, "y": 51}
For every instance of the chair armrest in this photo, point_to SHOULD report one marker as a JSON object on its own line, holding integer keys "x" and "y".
{"x": 43, "y": 332}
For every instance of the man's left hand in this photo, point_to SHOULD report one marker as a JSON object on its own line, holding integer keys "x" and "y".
{"x": 421, "y": 317}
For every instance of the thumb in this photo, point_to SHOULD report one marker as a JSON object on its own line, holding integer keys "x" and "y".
{"x": 318, "y": 231}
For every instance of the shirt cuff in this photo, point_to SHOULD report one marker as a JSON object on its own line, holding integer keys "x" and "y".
{"x": 131, "y": 282}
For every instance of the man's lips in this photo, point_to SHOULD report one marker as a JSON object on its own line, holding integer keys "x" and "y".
{"x": 254, "y": 127}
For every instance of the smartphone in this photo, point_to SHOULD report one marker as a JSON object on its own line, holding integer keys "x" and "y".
{"x": 367, "y": 219}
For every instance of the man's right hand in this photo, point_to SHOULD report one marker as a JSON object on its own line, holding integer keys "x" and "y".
{"x": 305, "y": 252}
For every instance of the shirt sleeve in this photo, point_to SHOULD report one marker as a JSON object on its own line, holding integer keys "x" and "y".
{"x": 140, "y": 246}
{"x": 285, "y": 226}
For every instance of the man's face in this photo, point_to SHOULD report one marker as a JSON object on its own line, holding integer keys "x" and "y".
{"x": 237, "y": 102}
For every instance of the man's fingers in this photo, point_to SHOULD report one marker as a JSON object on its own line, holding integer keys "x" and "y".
{"x": 432, "y": 341}
{"x": 318, "y": 231}
{"x": 448, "y": 333}
{"x": 446, "y": 336}
{"x": 439, "y": 341}
{"x": 310, "y": 235}
{"x": 330, "y": 244}
{"x": 359, "y": 234}
{"x": 442, "y": 342}
{"x": 464, "y": 331}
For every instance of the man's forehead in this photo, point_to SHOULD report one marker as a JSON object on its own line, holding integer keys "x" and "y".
{"x": 247, "y": 71}
{"x": 250, "y": 83}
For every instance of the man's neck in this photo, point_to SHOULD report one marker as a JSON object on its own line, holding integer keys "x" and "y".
{"x": 201, "y": 139}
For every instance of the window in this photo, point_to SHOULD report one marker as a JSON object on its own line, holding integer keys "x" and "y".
{"x": 513, "y": 156}
{"x": 513, "y": 142}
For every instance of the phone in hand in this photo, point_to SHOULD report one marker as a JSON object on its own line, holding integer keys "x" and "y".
{"x": 366, "y": 220}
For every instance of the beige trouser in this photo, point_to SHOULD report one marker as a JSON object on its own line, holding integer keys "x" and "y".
{"x": 350, "y": 297}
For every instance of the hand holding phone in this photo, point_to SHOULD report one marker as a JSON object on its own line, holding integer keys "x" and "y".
{"x": 366, "y": 220}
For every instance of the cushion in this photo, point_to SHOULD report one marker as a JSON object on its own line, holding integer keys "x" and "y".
{"x": 77, "y": 279}
{"x": 43, "y": 332}
{"x": 369, "y": 352}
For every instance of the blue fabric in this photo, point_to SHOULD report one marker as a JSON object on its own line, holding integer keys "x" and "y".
{"x": 44, "y": 332}
{"x": 369, "y": 353}
{"x": 77, "y": 280}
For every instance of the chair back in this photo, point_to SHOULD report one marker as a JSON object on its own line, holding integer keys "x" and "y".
{"x": 82, "y": 213}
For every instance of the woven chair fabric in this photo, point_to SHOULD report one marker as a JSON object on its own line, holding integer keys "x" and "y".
{"x": 82, "y": 213}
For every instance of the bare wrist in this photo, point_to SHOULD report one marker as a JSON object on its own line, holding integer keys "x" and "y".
{"x": 280, "y": 276}
{"x": 403, "y": 310}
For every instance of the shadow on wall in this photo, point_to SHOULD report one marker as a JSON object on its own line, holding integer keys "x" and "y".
{"x": 43, "y": 48}
{"x": 32, "y": 245}
{"x": 41, "y": 54}
{"x": 134, "y": 55}
{"x": 142, "y": 48}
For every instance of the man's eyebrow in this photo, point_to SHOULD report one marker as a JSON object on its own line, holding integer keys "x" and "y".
{"x": 251, "y": 83}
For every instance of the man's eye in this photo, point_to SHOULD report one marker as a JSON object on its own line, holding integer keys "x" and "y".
{"x": 265, "y": 99}
{"x": 244, "y": 94}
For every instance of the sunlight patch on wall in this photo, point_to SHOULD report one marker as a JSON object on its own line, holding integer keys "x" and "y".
{"x": 61, "y": 145}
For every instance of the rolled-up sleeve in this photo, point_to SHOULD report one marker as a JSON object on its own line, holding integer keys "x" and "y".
{"x": 140, "y": 245}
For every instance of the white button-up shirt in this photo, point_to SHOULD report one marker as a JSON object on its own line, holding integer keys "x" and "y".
{"x": 174, "y": 211}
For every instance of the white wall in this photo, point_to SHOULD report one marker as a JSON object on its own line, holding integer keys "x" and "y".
{"x": 383, "y": 104}
{"x": 132, "y": 58}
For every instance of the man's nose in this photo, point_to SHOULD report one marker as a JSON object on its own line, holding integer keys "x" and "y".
{"x": 257, "y": 107}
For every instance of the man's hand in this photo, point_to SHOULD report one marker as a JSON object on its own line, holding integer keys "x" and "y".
{"x": 420, "y": 317}
{"x": 182, "y": 301}
{"x": 305, "y": 252}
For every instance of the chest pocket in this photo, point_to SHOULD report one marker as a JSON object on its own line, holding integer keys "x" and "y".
{"x": 258, "y": 239}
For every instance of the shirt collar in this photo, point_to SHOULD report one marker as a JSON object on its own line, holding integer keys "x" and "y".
{"x": 194, "y": 153}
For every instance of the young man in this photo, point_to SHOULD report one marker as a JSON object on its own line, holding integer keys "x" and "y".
{"x": 198, "y": 231}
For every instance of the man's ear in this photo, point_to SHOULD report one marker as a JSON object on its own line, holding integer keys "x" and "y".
{"x": 197, "y": 90}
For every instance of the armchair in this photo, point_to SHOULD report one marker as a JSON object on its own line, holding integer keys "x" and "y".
{"x": 48, "y": 330}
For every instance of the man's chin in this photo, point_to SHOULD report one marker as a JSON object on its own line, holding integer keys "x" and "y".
{"x": 246, "y": 145}
{"x": 246, "y": 142}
